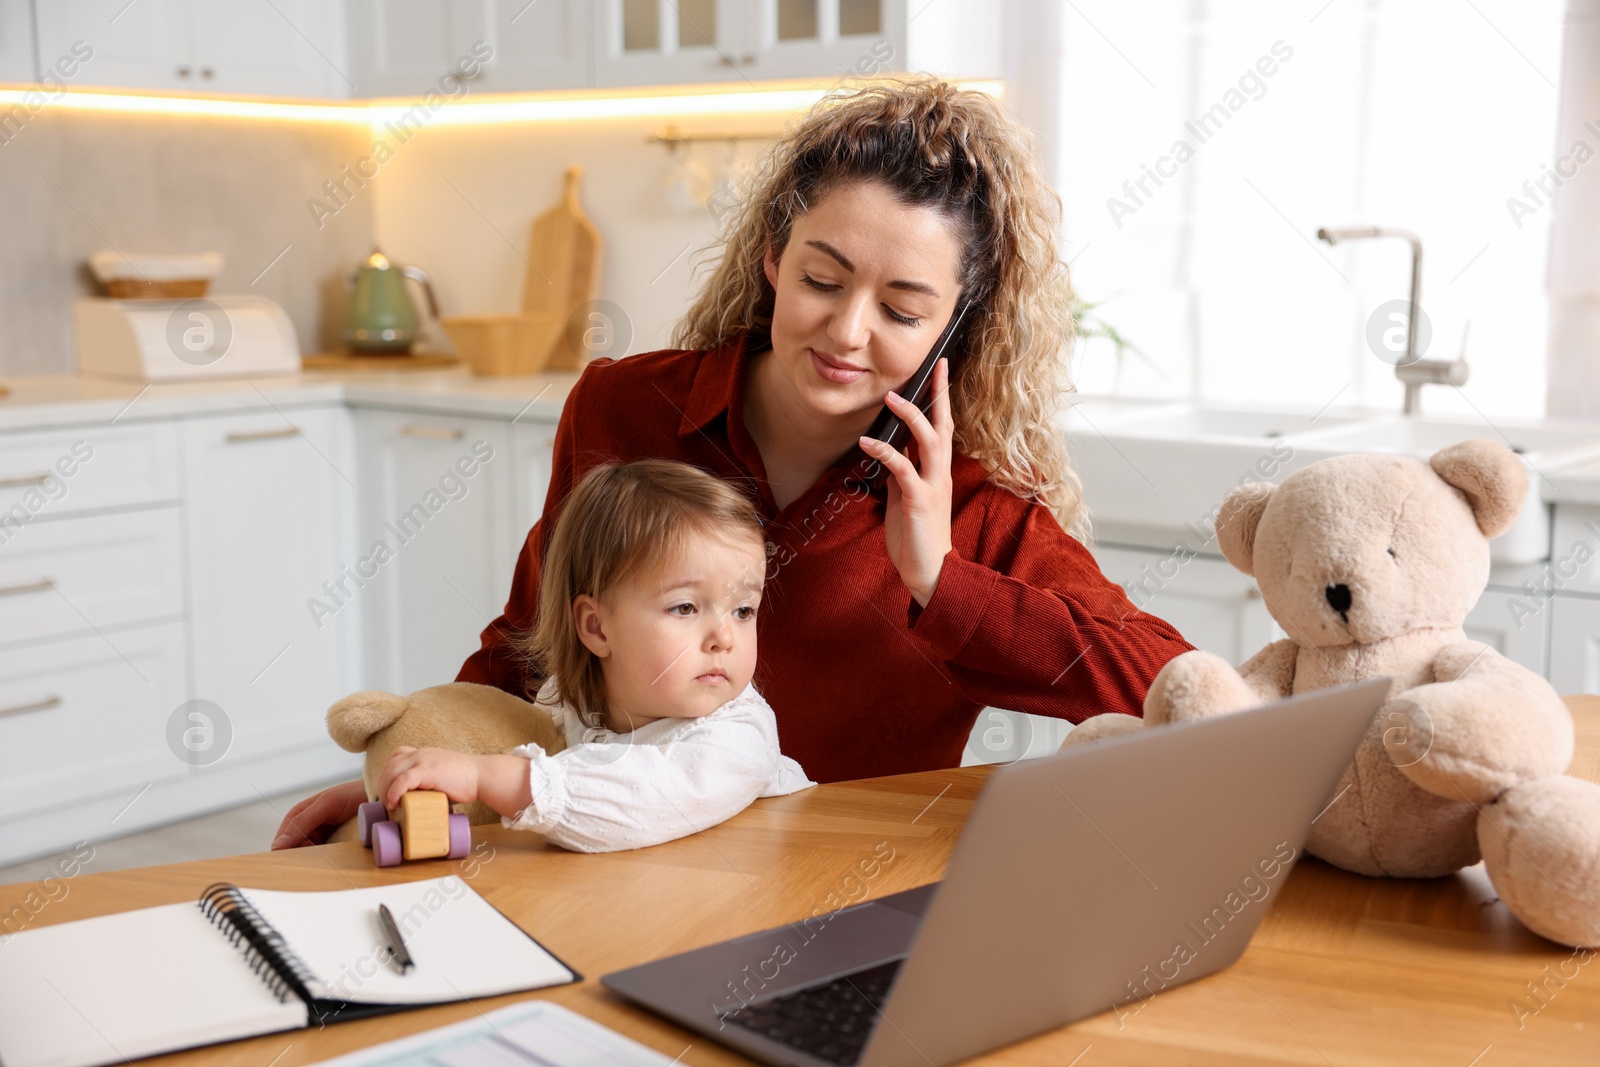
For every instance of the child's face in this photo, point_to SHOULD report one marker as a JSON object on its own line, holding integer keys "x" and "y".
{"x": 680, "y": 643}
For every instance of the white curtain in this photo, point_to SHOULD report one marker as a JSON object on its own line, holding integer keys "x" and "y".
{"x": 1200, "y": 145}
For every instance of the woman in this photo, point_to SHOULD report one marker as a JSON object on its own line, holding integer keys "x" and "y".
{"x": 892, "y": 616}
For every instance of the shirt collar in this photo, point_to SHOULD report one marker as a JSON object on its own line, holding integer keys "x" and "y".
{"x": 717, "y": 385}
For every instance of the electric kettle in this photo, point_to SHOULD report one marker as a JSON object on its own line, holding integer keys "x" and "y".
{"x": 381, "y": 316}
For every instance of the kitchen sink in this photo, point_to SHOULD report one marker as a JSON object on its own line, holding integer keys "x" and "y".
{"x": 1190, "y": 423}
{"x": 1541, "y": 445}
{"x": 1153, "y": 474}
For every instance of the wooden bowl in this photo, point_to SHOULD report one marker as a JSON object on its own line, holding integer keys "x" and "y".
{"x": 501, "y": 346}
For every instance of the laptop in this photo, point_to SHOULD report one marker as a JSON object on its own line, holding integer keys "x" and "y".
{"x": 1085, "y": 881}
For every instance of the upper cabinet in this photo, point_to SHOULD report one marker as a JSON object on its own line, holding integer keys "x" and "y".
{"x": 330, "y": 49}
{"x": 408, "y": 47}
{"x": 16, "y": 43}
{"x": 652, "y": 42}
{"x": 228, "y": 47}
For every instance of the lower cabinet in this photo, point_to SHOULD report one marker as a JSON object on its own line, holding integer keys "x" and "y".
{"x": 87, "y": 717}
{"x": 69, "y": 577}
{"x": 1500, "y": 621}
{"x": 1575, "y": 644}
{"x": 535, "y": 446}
{"x": 435, "y": 548}
{"x": 182, "y": 599}
{"x": 269, "y": 502}
{"x": 1211, "y": 604}
{"x": 1214, "y": 606}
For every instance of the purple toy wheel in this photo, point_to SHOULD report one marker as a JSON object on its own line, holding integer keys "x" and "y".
{"x": 367, "y": 816}
{"x": 386, "y": 846}
{"x": 460, "y": 836}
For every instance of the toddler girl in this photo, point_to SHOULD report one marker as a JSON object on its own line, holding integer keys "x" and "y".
{"x": 647, "y": 635}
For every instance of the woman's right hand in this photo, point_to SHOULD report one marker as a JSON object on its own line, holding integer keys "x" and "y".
{"x": 314, "y": 818}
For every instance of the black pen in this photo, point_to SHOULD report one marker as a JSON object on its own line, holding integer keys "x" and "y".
{"x": 397, "y": 944}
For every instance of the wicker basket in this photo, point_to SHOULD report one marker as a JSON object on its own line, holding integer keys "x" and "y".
{"x": 176, "y": 289}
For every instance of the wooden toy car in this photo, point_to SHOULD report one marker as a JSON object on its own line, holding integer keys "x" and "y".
{"x": 421, "y": 828}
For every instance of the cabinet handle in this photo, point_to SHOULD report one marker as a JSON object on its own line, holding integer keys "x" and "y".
{"x": 437, "y": 433}
{"x": 737, "y": 61}
{"x": 37, "y": 705}
{"x": 25, "y": 479}
{"x": 28, "y": 587}
{"x": 262, "y": 435}
{"x": 183, "y": 72}
{"x": 207, "y": 72}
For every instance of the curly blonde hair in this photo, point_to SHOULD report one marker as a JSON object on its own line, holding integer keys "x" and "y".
{"x": 955, "y": 151}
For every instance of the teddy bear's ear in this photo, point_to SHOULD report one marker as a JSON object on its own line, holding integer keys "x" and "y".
{"x": 353, "y": 720}
{"x": 1237, "y": 520}
{"x": 1492, "y": 478}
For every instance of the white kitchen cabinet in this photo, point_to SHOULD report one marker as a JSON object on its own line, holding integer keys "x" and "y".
{"x": 1211, "y": 604}
{"x": 87, "y": 717}
{"x": 825, "y": 38}
{"x": 651, "y": 42}
{"x": 284, "y": 48}
{"x": 434, "y": 520}
{"x": 74, "y": 576}
{"x": 269, "y": 504}
{"x": 146, "y": 45}
{"x": 534, "y": 445}
{"x": 400, "y": 47}
{"x": 49, "y": 473}
{"x": 405, "y": 47}
{"x": 16, "y": 43}
{"x": 543, "y": 45}
{"x": 1575, "y": 644}
{"x": 660, "y": 42}
{"x": 1516, "y": 635}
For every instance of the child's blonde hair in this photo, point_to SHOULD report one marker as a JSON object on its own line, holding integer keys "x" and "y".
{"x": 620, "y": 523}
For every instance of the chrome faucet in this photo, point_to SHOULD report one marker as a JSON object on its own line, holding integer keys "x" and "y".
{"x": 1412, "y": 371}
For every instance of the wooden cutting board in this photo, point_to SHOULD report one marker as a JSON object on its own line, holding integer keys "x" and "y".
{"x": 563, "y": 271}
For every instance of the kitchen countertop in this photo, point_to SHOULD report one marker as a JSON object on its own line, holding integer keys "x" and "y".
{"x": 43, "y": 401}
{"x": 1578, "y": 484}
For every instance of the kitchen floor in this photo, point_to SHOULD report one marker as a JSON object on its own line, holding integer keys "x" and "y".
{"x": 222, "y": 833}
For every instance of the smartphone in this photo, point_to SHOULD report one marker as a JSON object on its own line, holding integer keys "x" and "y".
{"x": 889, "y": 427}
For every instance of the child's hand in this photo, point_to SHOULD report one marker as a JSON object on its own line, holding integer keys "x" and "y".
{"x": 455, "y": 774}
{"x": 501, "y": 782}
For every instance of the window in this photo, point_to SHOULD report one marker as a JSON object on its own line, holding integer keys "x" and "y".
{"x": 1202, "y": 144}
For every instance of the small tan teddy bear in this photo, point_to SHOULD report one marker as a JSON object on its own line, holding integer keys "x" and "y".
{"x": 1371, "y": 563}
{"x": 461, "y": 716}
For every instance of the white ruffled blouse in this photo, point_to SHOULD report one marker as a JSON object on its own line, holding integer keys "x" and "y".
{"x": 673, "y": 777}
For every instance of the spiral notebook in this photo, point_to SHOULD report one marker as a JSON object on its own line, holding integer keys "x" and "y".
{"x": 241, "y": 962}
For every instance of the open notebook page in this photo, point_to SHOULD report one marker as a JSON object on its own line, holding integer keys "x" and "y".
{"x": 462, "y": 946}
{"x": 122, "y": 986}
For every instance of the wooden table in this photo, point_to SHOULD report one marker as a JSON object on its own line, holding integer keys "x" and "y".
{"x": 1344, "y": 970}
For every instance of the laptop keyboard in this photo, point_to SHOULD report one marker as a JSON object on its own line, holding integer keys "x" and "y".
{"x": 830, "y": 1020}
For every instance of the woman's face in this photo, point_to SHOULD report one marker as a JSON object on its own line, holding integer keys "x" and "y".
{"x": 864, "y": 288}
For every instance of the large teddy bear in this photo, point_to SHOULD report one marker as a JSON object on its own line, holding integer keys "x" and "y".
{"x": 460, "y": 716}
{"x": 1371, "y": 563}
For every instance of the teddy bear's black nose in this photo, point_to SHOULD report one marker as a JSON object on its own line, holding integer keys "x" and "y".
{"x": 1339, "y": 599}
